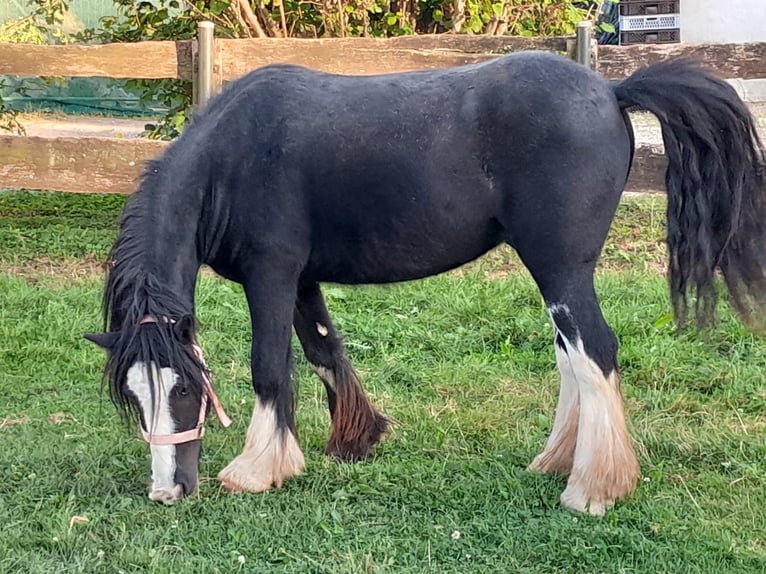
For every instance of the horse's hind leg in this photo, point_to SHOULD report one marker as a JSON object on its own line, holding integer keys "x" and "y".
{"x": 590, "y": 438}
{"x": 356, "y": 425}
{"x": 558, "y": 454}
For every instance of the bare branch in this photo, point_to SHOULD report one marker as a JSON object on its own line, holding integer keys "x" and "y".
{"x": 265, "y": 17}
{"x": 283, "y": 18}
{"x": 252, "y": 20}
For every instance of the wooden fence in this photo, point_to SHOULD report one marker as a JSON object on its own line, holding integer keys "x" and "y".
{"x": 109, "y": 165}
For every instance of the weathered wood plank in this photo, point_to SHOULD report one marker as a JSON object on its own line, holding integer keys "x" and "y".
{"x": 745, "y": 61}
{"x": 111, "y": 165}
{"x": 140, "y": 60}
{"x": 647, "y": 174}
{"x": 82, "y": 165}
{"x": 155, "y": 60}
{"x": 367, "y": 56}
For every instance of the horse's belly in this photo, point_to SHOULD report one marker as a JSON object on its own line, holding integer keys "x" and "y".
{"x": 400, "y": 256}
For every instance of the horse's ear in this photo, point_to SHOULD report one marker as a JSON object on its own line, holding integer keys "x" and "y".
{"x": 103, "y": 340}
{"x": 184, "y": 329}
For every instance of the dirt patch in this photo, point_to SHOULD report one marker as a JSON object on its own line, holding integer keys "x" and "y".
{"x": 13, "y": 421}
{"x": 59, "y": 418}
{"x": 41, "y": 268}
{"x": 58, "y": 126}
{"x": 34, "y": 269}
{"x": 54, "y": 419}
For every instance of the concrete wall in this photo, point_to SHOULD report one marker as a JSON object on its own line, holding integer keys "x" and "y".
{"x": 723, "y": 21}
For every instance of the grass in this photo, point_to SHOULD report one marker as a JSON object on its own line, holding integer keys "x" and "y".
{"x": 463, "y": 362}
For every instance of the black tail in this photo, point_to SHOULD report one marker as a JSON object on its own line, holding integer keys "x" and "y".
{"x": 715, "y": 185}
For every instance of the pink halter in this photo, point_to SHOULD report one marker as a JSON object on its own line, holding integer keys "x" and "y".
{"x": 208, "y": 395}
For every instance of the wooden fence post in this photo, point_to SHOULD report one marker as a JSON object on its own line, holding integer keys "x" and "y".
{"x": 583, "y": 43}
{"x": 205, "y": 61}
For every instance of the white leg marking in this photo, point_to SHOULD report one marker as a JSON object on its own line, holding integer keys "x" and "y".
{"x": 271, "y": 455}
{"x": 159, "y": 420}
{"x": 558, "y": 454}
{"x": 605, "y": 467}
{"x": 558, "y": 308}
{"x": 322, "y": 330}
{"x": 325, "y": 374}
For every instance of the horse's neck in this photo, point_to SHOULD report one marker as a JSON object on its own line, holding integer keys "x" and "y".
{"x": 165, "y": 236}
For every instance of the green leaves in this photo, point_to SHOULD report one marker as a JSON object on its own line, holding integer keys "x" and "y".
{"x": 519, "y": 17}
{"x": 218, "y": 7}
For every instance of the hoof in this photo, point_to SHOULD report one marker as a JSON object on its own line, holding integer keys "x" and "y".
{"x": 595, "y": 497}
{"x": 271, "y": 455}
{"x": 234, "y": 480}
{"x": 361, "y": 446}
{"x": 548, "y": 463}
{"x": 258, "y": 470}
{"x": 580, "y": 502}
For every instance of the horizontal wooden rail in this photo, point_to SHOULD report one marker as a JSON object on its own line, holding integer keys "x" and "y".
{"x": 744, "y": 61}
{"x": 111, "y": 165}
{"x": 161, "y": 59}
{"x": 139, "y": 60}
{"x": 367, "y": 56}
{"x": 647, "y": 173}
{"x": 76, "y": 164}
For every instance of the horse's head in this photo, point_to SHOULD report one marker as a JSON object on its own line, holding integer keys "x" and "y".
{"x": 156, "y": 371}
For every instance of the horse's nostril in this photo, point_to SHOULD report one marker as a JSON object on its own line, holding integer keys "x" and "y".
{"x": 187, "y": 488}
{"x": 167, "y": 495}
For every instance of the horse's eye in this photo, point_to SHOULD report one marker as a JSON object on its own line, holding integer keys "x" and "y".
{"x": 183, "y": 390}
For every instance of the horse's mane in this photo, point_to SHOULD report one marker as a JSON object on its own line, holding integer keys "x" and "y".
{"x": 134, "y": 292}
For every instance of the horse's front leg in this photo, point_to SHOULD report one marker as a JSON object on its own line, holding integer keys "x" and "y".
{"x": 271, "y": 454}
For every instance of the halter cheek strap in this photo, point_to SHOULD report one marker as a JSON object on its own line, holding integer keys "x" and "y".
{"x": 208, "y": 394}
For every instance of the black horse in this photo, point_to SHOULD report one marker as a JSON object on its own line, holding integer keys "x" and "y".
{"x": 293, "y": 177}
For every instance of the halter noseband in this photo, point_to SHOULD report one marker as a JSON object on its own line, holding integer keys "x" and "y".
{"x": 208, "y": 394}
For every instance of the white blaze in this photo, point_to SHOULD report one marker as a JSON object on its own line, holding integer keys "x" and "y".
{"x": 159, "y": 421}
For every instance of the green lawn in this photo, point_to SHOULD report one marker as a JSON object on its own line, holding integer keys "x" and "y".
{"x": 463, "y": 362}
